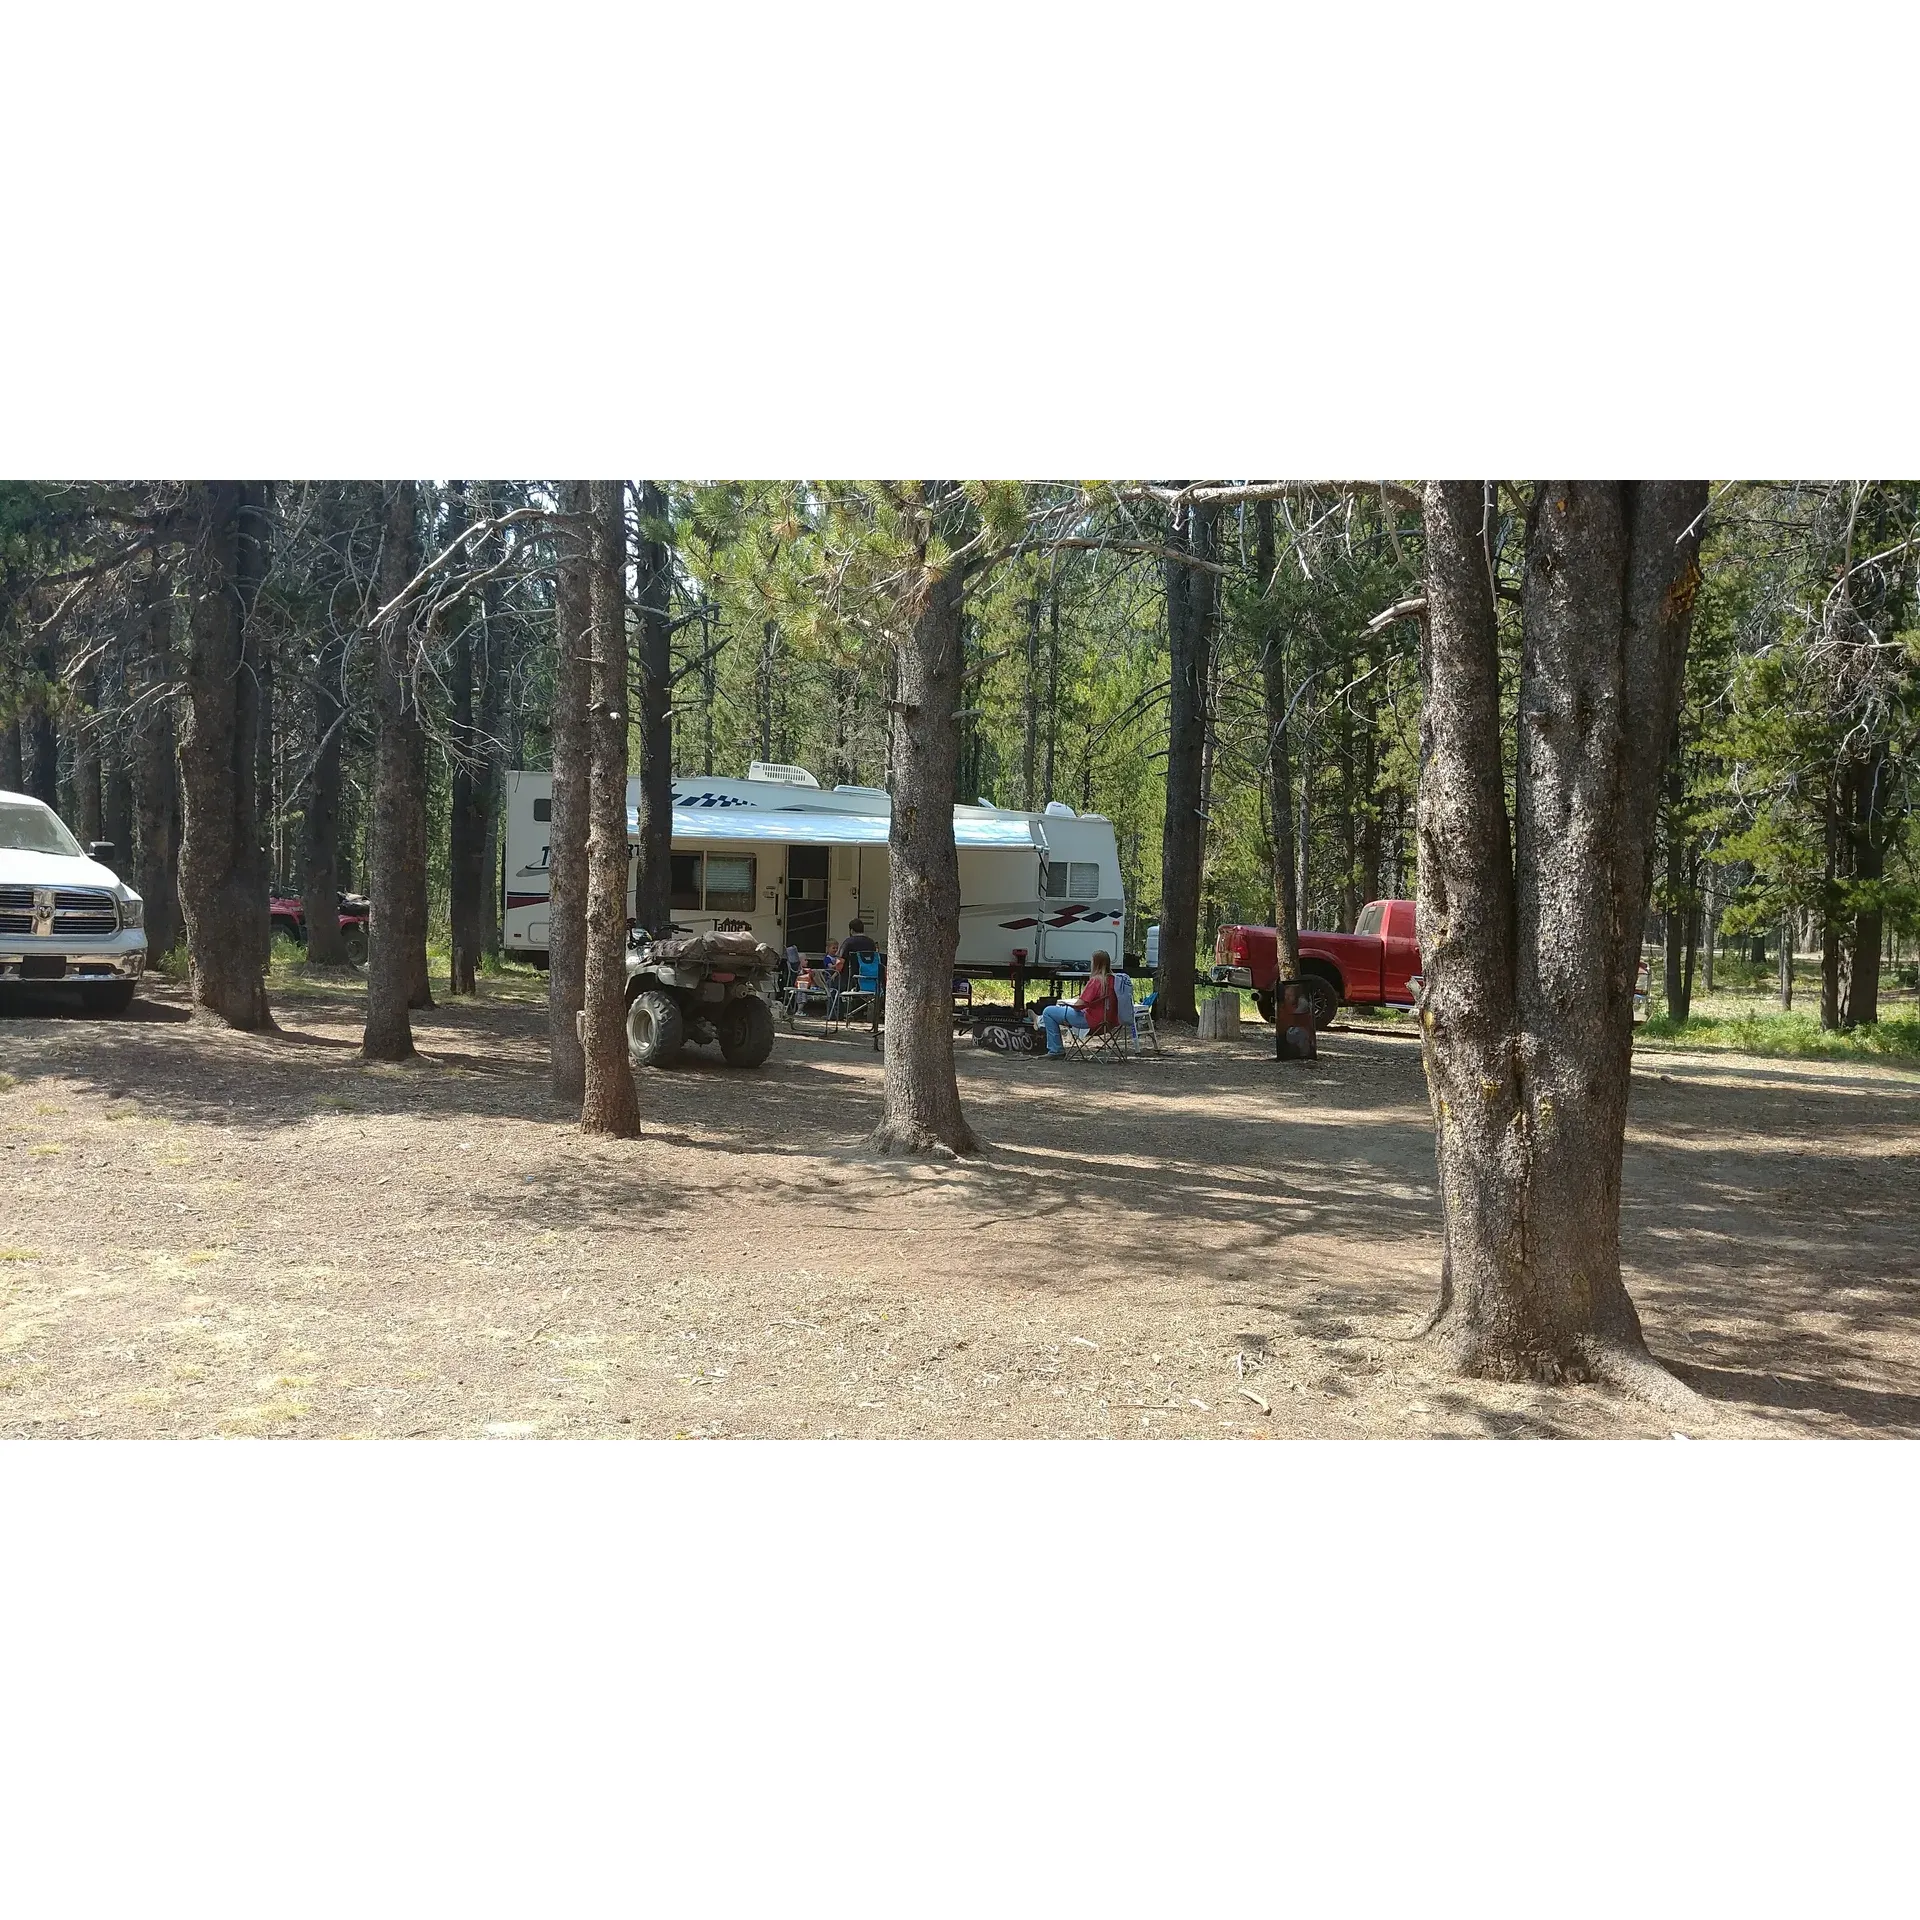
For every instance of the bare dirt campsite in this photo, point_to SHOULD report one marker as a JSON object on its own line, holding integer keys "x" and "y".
{"x": 214, "y": 1233}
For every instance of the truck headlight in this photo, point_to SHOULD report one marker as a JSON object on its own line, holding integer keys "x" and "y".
{"x": 133, "y": 910}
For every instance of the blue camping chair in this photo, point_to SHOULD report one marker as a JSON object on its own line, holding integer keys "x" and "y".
{"x": 855, "y": 1000}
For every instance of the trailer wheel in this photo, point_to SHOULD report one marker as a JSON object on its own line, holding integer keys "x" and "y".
{"x": 656, "y": 1030}
{"x": 746, "y": 1032}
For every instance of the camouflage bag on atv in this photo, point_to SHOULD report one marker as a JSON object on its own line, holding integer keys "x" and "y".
{"x": 699, "y": 988}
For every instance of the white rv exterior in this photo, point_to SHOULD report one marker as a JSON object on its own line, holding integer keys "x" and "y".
{"x": 796, "y": 863}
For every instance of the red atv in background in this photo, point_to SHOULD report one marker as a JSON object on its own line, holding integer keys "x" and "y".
{"x": 1373, "y": 966}
{"x": 289, "y": 913}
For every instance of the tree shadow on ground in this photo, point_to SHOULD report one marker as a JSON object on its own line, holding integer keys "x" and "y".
{"x": 1298, "y": 1200}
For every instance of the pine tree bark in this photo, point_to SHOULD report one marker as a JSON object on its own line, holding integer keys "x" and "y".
{"x": 155, "y": 774}
{"x": 86, "y": 768}
{"x": 320, "y": 868}
{"x": 922, "y": 1094}
{"x": 222, "y": 877}
{"x": 1866, "y": 827}
{"x": 397, "y": 933}
{"x": 1530, "y": 943}
{"x": 567, "y": 830}
{"x": 320, "y": 877}
{"x": 653, "y": 872}
{"x": 1677, "y": 980}
{"x": 13, "y": 756}
{"x": 1273, "y": 686}
{"x": 1183, "y": 836}
{"x": 468, "y": 797}
{"x": 40, "y": 738}
{"x": 609, "y": 1103}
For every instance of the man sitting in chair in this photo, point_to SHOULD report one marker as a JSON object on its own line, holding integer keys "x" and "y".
{"x": 1097, "y": 1007}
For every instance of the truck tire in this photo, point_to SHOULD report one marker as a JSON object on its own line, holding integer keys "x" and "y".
{"x": 1319, "y": 999}
{"x": 656, "y": 1030}
{"x": 745, "y": 1028}
{"x": 115, "y": 998}
{"x": 1263, "y": 1002}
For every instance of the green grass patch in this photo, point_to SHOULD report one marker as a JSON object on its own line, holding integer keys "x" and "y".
{"x": 1786, "y": 1036}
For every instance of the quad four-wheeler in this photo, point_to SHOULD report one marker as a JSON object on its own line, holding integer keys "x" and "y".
{"x": 699, "y": 987}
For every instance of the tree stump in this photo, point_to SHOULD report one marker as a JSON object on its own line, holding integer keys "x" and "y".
{"x": 1220, "y": 1017}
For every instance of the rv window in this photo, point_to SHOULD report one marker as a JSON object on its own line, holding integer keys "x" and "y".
{"x": 1085, "y": 884}
{"x": 729, "y": 883}
{"x": 1056, "y": 879}
{"x": 543, "y": 809}
{"x": 684, "y": 882}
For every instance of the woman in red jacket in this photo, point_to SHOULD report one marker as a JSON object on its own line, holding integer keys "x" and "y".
{"x": 1098, "y": 1006}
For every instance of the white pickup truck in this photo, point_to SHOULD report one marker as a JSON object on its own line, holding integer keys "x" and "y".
{"x": 63, "y": 916}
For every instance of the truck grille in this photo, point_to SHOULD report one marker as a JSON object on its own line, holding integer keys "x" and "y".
{"x": 84, "y": 910}
{"x": 75, "y": 910}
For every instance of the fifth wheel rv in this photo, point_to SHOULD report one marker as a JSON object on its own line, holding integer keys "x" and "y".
{"x": 794, "y": 863}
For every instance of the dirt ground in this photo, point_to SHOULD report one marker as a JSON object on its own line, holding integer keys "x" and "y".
{"x": 205, "y": 1233}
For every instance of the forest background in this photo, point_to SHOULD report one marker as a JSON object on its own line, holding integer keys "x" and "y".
{"x": 1787, "y": 824}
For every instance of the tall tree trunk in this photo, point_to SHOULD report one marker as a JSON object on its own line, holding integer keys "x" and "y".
{"x": 397, "y": 952}
{"x": 609, "y": 1103}
{"x": 116, "y": 818}
{"x": 1303, "y": 829}
{"x": 653, "y": 873}
{"x": 223, "y": 881}
{"x": 567, "y": 830}
{"x": 320, "y": 867}
{"x": 1530, "y": 953}
{"x": 86, "y": 766}
{"x": 263, "y": 749}
{"x": 1183, "y": 834}
{"x": 1786, "y": 964}
{"x": 1053, "y": 687}
{"x": 42, "y": 741}
{"x": 492, "y": 747}
{"x": 1273, "y": 683}
{"x": 155, "y": 773}
{"x": 922, "y": 1095}
{"x": 467, "y": 784}
{"x": 1674, "y": 915}
{"x": 1030, "y": 708}
{"x": 321, "y": 877}
{"x": 1860, "y": 989}
{"x": 764, "y": 684}
{"x": 1832, "y": 930}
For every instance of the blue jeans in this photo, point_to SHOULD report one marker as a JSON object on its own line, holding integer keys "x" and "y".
{"x": 1060, "y": 1015}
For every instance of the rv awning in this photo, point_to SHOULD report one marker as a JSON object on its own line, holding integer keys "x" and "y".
{"x": 806, "y": 828}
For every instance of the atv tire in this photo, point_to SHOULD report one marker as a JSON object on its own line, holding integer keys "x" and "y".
{"x": 656, "y": 1030}
{"x": 745, "y": 1027}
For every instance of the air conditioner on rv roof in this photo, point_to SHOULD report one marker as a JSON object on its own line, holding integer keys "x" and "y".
{"x": 782, "y": 775}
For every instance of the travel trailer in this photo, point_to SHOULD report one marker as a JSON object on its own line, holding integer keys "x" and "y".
{"x": 794, "y": 863}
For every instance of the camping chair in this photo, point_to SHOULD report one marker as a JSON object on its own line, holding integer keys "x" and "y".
{"x": 1136, "y": 1016}
{"x": 962, "y": 1001}
{"x": 1103, "y": 1043}
{"x": 855, "y": 1002}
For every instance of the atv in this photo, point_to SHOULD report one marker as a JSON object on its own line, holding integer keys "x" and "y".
{"x": 699, "y": 987}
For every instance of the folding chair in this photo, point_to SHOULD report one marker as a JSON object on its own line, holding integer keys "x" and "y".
{"x": 1136, "y": 1016}
{"x": 855, "y": 1002}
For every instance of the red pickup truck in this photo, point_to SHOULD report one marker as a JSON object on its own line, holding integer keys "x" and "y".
{"x": 1372, "y": 966}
